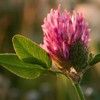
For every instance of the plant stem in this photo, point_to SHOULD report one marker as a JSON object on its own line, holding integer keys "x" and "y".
{"x": 79, "y": 91}
{"x": 77, "y": 86}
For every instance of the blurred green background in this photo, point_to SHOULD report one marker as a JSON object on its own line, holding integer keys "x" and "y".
{"x": 26, "y": 17}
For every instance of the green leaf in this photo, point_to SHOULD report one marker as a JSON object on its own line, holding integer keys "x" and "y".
{"x": 95, "y": 60}
{"x": 16, "y": 66}
{"x": 30, "y": 52}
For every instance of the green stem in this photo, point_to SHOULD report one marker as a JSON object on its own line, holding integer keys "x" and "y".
{"x": 76, "y": 86}
{"x": 79, "y": 91}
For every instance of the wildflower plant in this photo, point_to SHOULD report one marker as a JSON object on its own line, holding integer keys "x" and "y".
{"x": 66, "y": 38}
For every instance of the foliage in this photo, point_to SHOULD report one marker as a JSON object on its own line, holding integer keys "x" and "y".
{"x": 29, "y": 61}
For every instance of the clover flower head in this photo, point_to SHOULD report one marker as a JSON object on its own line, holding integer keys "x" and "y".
{"x": 64, "y": 33}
